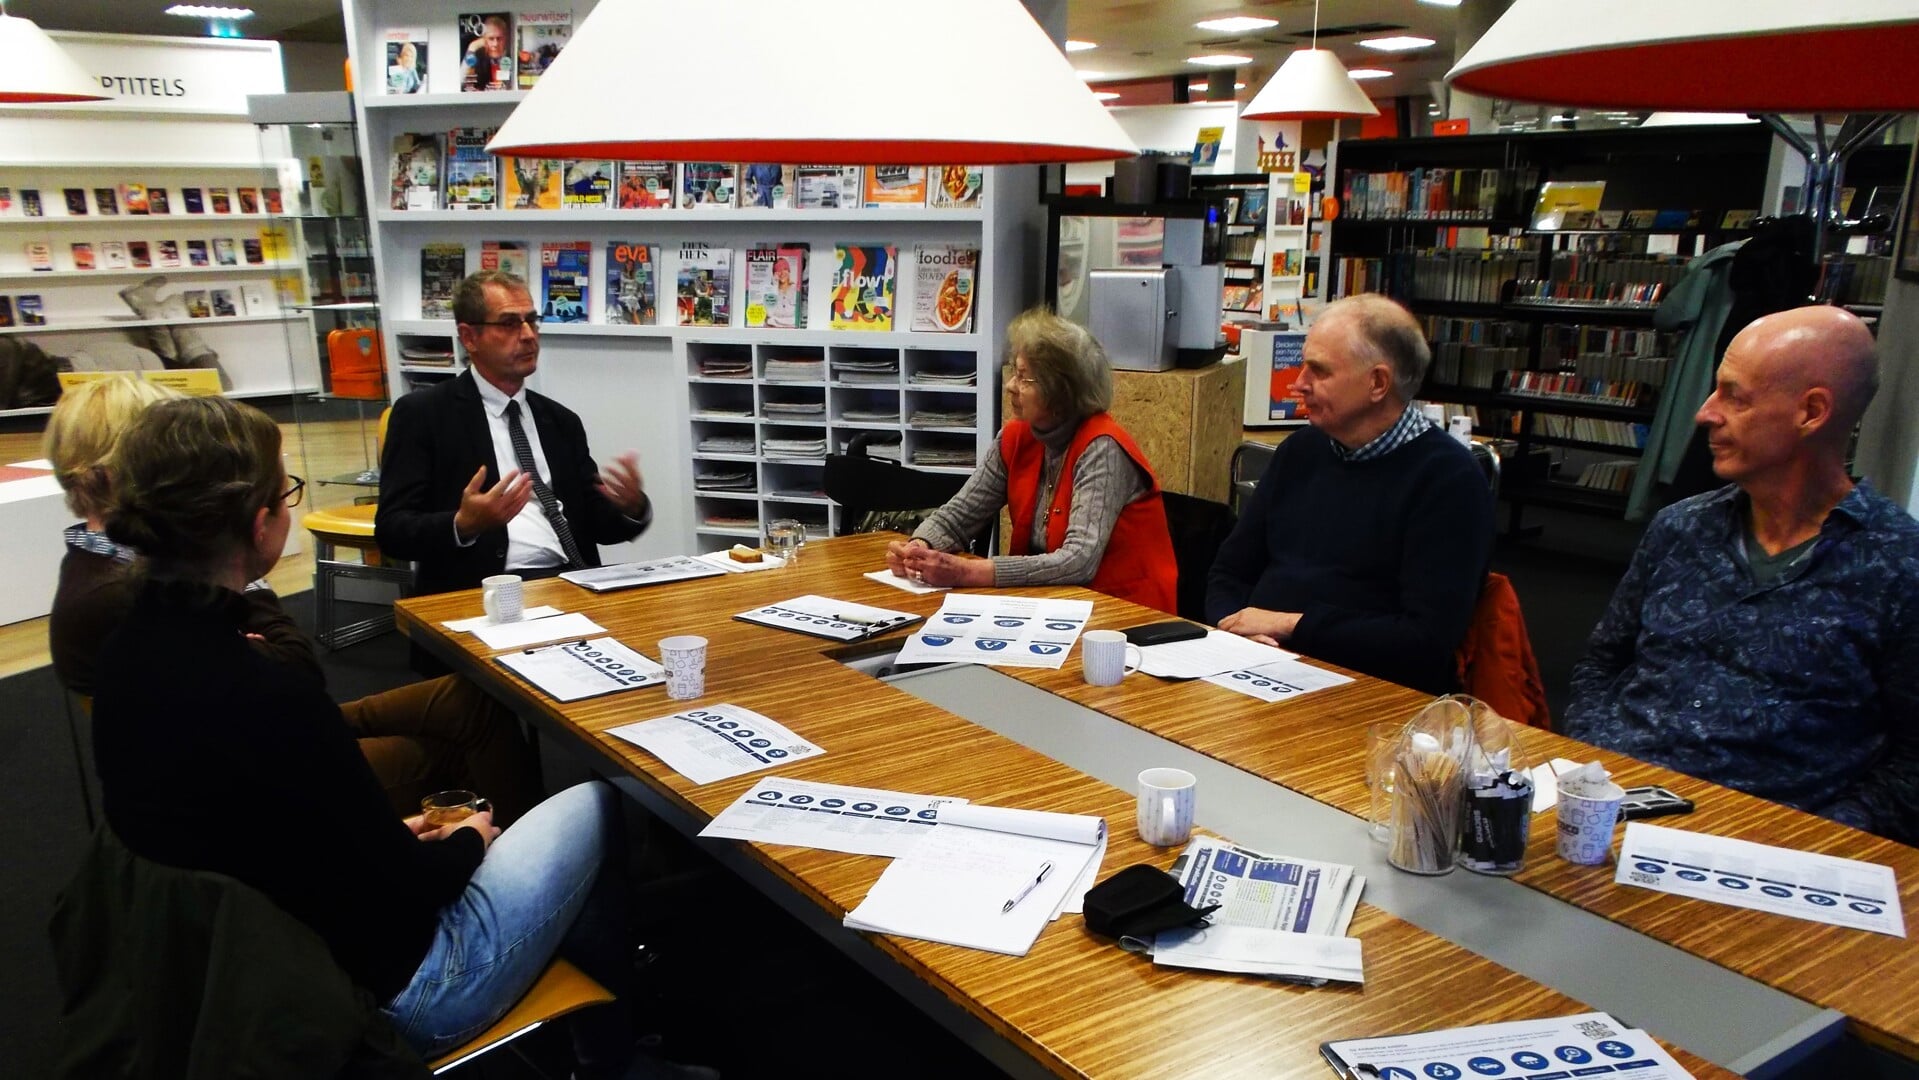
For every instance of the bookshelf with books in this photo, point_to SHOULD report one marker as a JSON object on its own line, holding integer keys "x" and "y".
{"x": 835, "y": 300}
{"x": 1239, "y": 200}
{"x": 1536, "y": 263}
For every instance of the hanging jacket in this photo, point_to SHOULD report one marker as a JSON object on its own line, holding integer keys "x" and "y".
{"x": 1496, "y": 662}
{"x": 1696, "y": 310}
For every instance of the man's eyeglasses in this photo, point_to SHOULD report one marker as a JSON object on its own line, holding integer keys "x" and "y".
{"x": 512, "y": 322}
{"x": 292, "y": 495}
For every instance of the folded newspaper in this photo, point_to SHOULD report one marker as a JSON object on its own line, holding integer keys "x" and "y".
{"x": 1277, "y": 916}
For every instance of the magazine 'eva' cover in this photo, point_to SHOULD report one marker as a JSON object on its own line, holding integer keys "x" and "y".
{"x": 632, "y": 284}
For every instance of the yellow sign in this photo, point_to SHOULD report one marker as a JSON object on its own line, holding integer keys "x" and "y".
{"x": 71, "y": 379}
{"x": 1273, "y": 161}
{"x": 1302, "y": 182}
{"x": 199, "y": 382}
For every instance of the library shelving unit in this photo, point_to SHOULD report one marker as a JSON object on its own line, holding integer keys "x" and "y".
{"x": 1240, "y": 200}
{"x": 1544, "y": 336}
{"x": 1291, "y": 266}
{"x": 726, "y": 451}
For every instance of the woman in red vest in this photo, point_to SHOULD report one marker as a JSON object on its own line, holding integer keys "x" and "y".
{"x": 1085, "y": 504}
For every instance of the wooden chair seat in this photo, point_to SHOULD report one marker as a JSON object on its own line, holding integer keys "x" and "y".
{"x": 560, "y": 989}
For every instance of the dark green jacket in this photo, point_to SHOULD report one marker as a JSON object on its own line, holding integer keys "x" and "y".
{"x": 170, "y": 973}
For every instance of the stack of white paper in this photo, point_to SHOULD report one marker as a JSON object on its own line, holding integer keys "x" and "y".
{"x": 822, "y": 616}
{"x": 832, "y": 817}
{"x": 716, "y": 742}
{"x": 1004, "y": 631}
{"x": 1280, "y": 680}
{"x": 987, "y": 878}
{"x": 1197, "y": 658}
{"x": 583, "y": 669}
{"x": 634, "y": 574}
{"x": 1802, "y": 884}
{"x": 1277, "y": 916}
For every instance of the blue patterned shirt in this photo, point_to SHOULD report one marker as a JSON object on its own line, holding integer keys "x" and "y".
{"x": 1411, "y": 425}
{"x": 1804, "y": 691}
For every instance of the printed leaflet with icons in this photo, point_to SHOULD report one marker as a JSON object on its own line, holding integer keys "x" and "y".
{"x": 1591, "y": 1044}
{"x": 716, "y": 742}
{"x": 1817, "y": 888}
{"x": 820, "y": 616}
{"x": 583, "y": 669}
{"x": 1277, "y": 916}
{"x": 832, "y": 817}
{"x": 1004, "y": 631}
{"x": 635, "y": 574}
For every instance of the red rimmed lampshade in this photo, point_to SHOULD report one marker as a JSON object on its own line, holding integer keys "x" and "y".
{"x": 36, "y": 71}
{"x": 902, "y": 82}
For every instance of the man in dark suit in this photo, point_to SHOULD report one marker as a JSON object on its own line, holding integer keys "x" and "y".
{"x": 481, "y": 476}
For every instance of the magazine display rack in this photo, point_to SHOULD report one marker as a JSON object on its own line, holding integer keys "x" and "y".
{"x": 732, "y": 417}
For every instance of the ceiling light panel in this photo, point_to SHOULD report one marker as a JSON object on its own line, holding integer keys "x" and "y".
{"x": 1398, "y": 43}
{"x": 203, "y": 11}
{"x": 1219, "y": 60}
{"x": 1361, "y": 74}
{"x": 1237, "y": 24}
{"x": 1080, "y": 46}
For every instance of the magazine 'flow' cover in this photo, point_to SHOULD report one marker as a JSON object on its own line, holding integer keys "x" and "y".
{"x": 863, "y": 282}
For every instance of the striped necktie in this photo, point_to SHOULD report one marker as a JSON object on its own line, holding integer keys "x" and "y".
{"x": 523, "y": 451}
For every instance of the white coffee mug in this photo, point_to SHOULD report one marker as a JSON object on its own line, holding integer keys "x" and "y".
{"x": 504, "y": 598}
{"x": 1166, "y": 801}
{"x": 684, "y": 658}
{"x": 1106, "y": 657}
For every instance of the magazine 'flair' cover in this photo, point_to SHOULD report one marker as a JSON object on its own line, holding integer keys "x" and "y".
{"x": 632, "y": 284}
{"x": 863, "y": 282}
{"x": 829, "y": 187}
{"x": 413, "y": 174}
{"x": 542, "y": 35}
{"x": 945, "y": 280}
{"x": 767, "y": 186}
{"x": 776, "y": 287}
{"x": 565, "y": 272}
{"x": 532, "y": 183}
{"x": 486, "y": 51}
{"x": 589, "y": 185}
{"x": 472, "y": 174}
{"x": 705, "y": 286}
{"x": 895, "y": 185}
{"x": 708, "y": 183}
{"x": 506, "y": 256}
{"x": 646, "y": 185}
{"x": 442, "y": 265}
{"x": 406, "y": 61}
{"x": 955, "y": 187}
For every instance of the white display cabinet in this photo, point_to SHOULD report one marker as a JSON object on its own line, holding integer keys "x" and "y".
{"x": 641, "y": 387}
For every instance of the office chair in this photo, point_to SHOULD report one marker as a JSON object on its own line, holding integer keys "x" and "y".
{"x": 1198, "y": 527}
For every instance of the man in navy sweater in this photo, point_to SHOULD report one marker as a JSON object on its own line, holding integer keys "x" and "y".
{"x": 1367, "y": 540}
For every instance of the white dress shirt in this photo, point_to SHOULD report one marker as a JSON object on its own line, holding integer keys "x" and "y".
{"x": 531, "y": 543}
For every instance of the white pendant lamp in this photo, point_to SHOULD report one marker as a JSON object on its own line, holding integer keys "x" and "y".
{"x": 919, "y": 82}
{"x": 37, "y": 71}
{"x": 1763, "y": 56}
{"x": 1311, "y": 85}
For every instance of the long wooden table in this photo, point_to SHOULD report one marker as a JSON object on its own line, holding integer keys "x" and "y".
{"x": 1074, "y": 1005}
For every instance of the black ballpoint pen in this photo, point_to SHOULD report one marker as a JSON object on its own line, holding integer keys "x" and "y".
{"x": 1045, "y": 868}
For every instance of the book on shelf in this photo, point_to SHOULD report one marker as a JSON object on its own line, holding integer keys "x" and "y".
{"x": 646, "y": 185}
{"x": 6, "y": 310}
{"x": 632, "y": 284}
{"x": 413, "y": 173}
{"x": 506, "y": 256}
{"x": 1738, "y": 219}
{"x": 708, "y": 183}
{"x": 532, "y": 183}
{"x": 222, "y": 302}
{"x": 220, "y": 199}
{"x": 895, "y": 186}
{"x": 8, "y": 206}
{"x": 829, "y": 187}
{"x": 29, "y": 309}
{"x": 76, "y": 199}
{"x": 276, "y": 244}
{"x": 588, "y": 185}
{"x": 198, "y": 306}
{"x": 254, "y": 297}
{"x": 105, "y": 200}
{"x": 224, "y": 251}
{"x": 254, "y": 250}
{"x": 1608, "y": 219}
{"x": 39, "y": 255}
{"x": 705, "y": 284}
{"x": 157, "y": 201}
{"x": 945, "y": 282}
{"x": 113, "y": 255}
{"x": 442, "y": 265}
{"x": 30, "y": 202}
{"x": 486, "y": 51}
{"x": 1567, "y": 204}
{"x": 193, "y": 200}
{"x": 566, "y": 269}
{"x": 249, "y": 199}
{"x": 166, "y": 253}
{"x": 82, "y": 256}
{"x": 767, "y": 186}
{"x": 406, "y": 60}
{"x": 197, "y": 253}
{"x": 133, "y": 198}
{"x": 472, "y": 174}
{"x": 776, "y": 286}
{"x": 141, "y": 254}
{"x": 956, "y": 187}
{"x": 863, "y": 283}
{"x": 542, "y": 35}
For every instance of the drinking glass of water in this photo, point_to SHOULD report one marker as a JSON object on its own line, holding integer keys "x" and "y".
{"x": 784, "y": 538}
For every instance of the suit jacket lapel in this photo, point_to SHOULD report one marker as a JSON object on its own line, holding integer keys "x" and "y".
{"x": 473, "y": 427}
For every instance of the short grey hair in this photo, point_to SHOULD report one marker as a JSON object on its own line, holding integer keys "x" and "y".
{"x": 469, "y": 296}
{"x": 1067, "y": 364}
{"x": 1391, "y": 334}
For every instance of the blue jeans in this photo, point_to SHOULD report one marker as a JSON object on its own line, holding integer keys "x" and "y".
{"x": 503, "y": 930}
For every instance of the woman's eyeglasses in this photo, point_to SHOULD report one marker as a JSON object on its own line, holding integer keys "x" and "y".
{"x": 292, "y": 495}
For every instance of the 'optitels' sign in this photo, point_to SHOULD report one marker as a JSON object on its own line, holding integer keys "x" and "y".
{"x": 143, "y": 86}
{"x": 197, "y": 75}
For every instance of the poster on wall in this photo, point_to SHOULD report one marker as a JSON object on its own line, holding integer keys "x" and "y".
{"x": 1273, "y": 363}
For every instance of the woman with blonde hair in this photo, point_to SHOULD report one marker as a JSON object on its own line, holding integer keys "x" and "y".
{"x": 1084, "y": 502}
